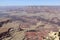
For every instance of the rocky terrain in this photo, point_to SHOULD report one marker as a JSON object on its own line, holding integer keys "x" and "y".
{"x": 28, "y": 22}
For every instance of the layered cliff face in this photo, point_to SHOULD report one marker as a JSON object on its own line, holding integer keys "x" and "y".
{"x": 29, "y": 22}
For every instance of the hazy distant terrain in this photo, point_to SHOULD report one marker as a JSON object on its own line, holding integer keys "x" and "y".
{"x": 20, "y": 22}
